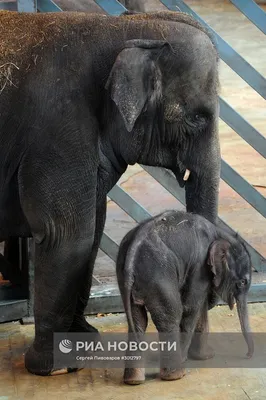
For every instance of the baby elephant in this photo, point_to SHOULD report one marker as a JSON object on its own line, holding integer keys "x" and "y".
{"x": 176, "y": 266}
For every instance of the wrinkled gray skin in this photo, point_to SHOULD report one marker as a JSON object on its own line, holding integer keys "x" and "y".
{"x": 92, "y": 96}
{"x": 176, "y": 266}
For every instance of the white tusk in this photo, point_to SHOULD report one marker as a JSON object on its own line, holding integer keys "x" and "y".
{"x": 186, "y": 176}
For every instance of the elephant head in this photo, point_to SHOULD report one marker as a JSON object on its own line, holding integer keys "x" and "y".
{"x": 231, "y": 268}
{"x": 165, "y": 109}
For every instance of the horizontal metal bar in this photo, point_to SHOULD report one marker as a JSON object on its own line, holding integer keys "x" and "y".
{"x": 227, "y": 53}
{"x": 105, "y": 299}
{"x": 11, "y": 292}
{"x": 108, "y": 299}
{"x": 253, "y": 12}
{"x": 26, "y": 5}
{"x": 109, "y": 247}
{"x": 128, "y": 204}
{"x": 9, "y": 6}
{"x": 112, "y": 7}
{"x": 257, "y": 293}
{"x": 13, "y": 310}
{"x": 242, "y": 128}
{"x": 48, "y": 6}
{"x": 243, "y": 188}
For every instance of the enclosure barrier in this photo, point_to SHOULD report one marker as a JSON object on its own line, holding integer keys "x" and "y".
{"x": 15, "y": 305}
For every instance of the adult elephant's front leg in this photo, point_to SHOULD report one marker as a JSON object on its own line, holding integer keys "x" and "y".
{"x": 58, "y": 271}
{"x": 79, "y": 323}
{"x": 59, "y": 202}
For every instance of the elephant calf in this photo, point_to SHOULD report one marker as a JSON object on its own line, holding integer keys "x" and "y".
{"x": 176, "y": 265}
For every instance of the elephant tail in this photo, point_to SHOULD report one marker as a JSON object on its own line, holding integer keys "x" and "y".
{"x": 129, "y": 274}
{"x": 126, "y": 262}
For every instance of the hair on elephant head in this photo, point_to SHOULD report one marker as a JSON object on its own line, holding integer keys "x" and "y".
{"x": 230, "y": 264}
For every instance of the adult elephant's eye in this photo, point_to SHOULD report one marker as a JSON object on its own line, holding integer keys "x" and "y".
{"x": 242, "y": 283}
{"x": 200, "y": 118}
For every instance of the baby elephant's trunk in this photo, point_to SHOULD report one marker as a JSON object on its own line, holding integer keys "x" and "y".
{"x": 242, "y": 310}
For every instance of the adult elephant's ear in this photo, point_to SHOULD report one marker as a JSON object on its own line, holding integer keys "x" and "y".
{"x": 135, "y": 78}
{"x": 218, "y": 259}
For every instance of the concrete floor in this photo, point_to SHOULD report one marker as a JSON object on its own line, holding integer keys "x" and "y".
{"x": 106, "y": 384}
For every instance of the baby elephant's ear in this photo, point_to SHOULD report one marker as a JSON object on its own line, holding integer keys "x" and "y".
{"x": 135, "y": 78}
{"x": 218, "y": 259}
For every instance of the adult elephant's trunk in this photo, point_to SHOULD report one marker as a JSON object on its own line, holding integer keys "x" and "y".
{"x": 242, "y": 310}
{"x": 202, "y": 185}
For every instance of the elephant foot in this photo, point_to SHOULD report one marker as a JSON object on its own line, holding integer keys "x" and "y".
{"x": 204, "y": 354}
{"x": 81, "y": 325}
{"x": 41, "y": 363}
{"x": 134, "y": 376}
{"x": 169, "y": 374}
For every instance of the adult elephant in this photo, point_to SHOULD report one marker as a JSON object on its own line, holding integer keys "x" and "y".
{"x": 82, "y": 97}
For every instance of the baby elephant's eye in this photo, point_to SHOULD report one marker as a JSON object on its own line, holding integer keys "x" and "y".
{"x": 242, "y": 283}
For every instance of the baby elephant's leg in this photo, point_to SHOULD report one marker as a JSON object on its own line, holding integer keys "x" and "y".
{"x": 187, "y": 328}
{"x": 136, "y": 376}
{"x": 199, "y": 348}
{"x": 165, "y": 308}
